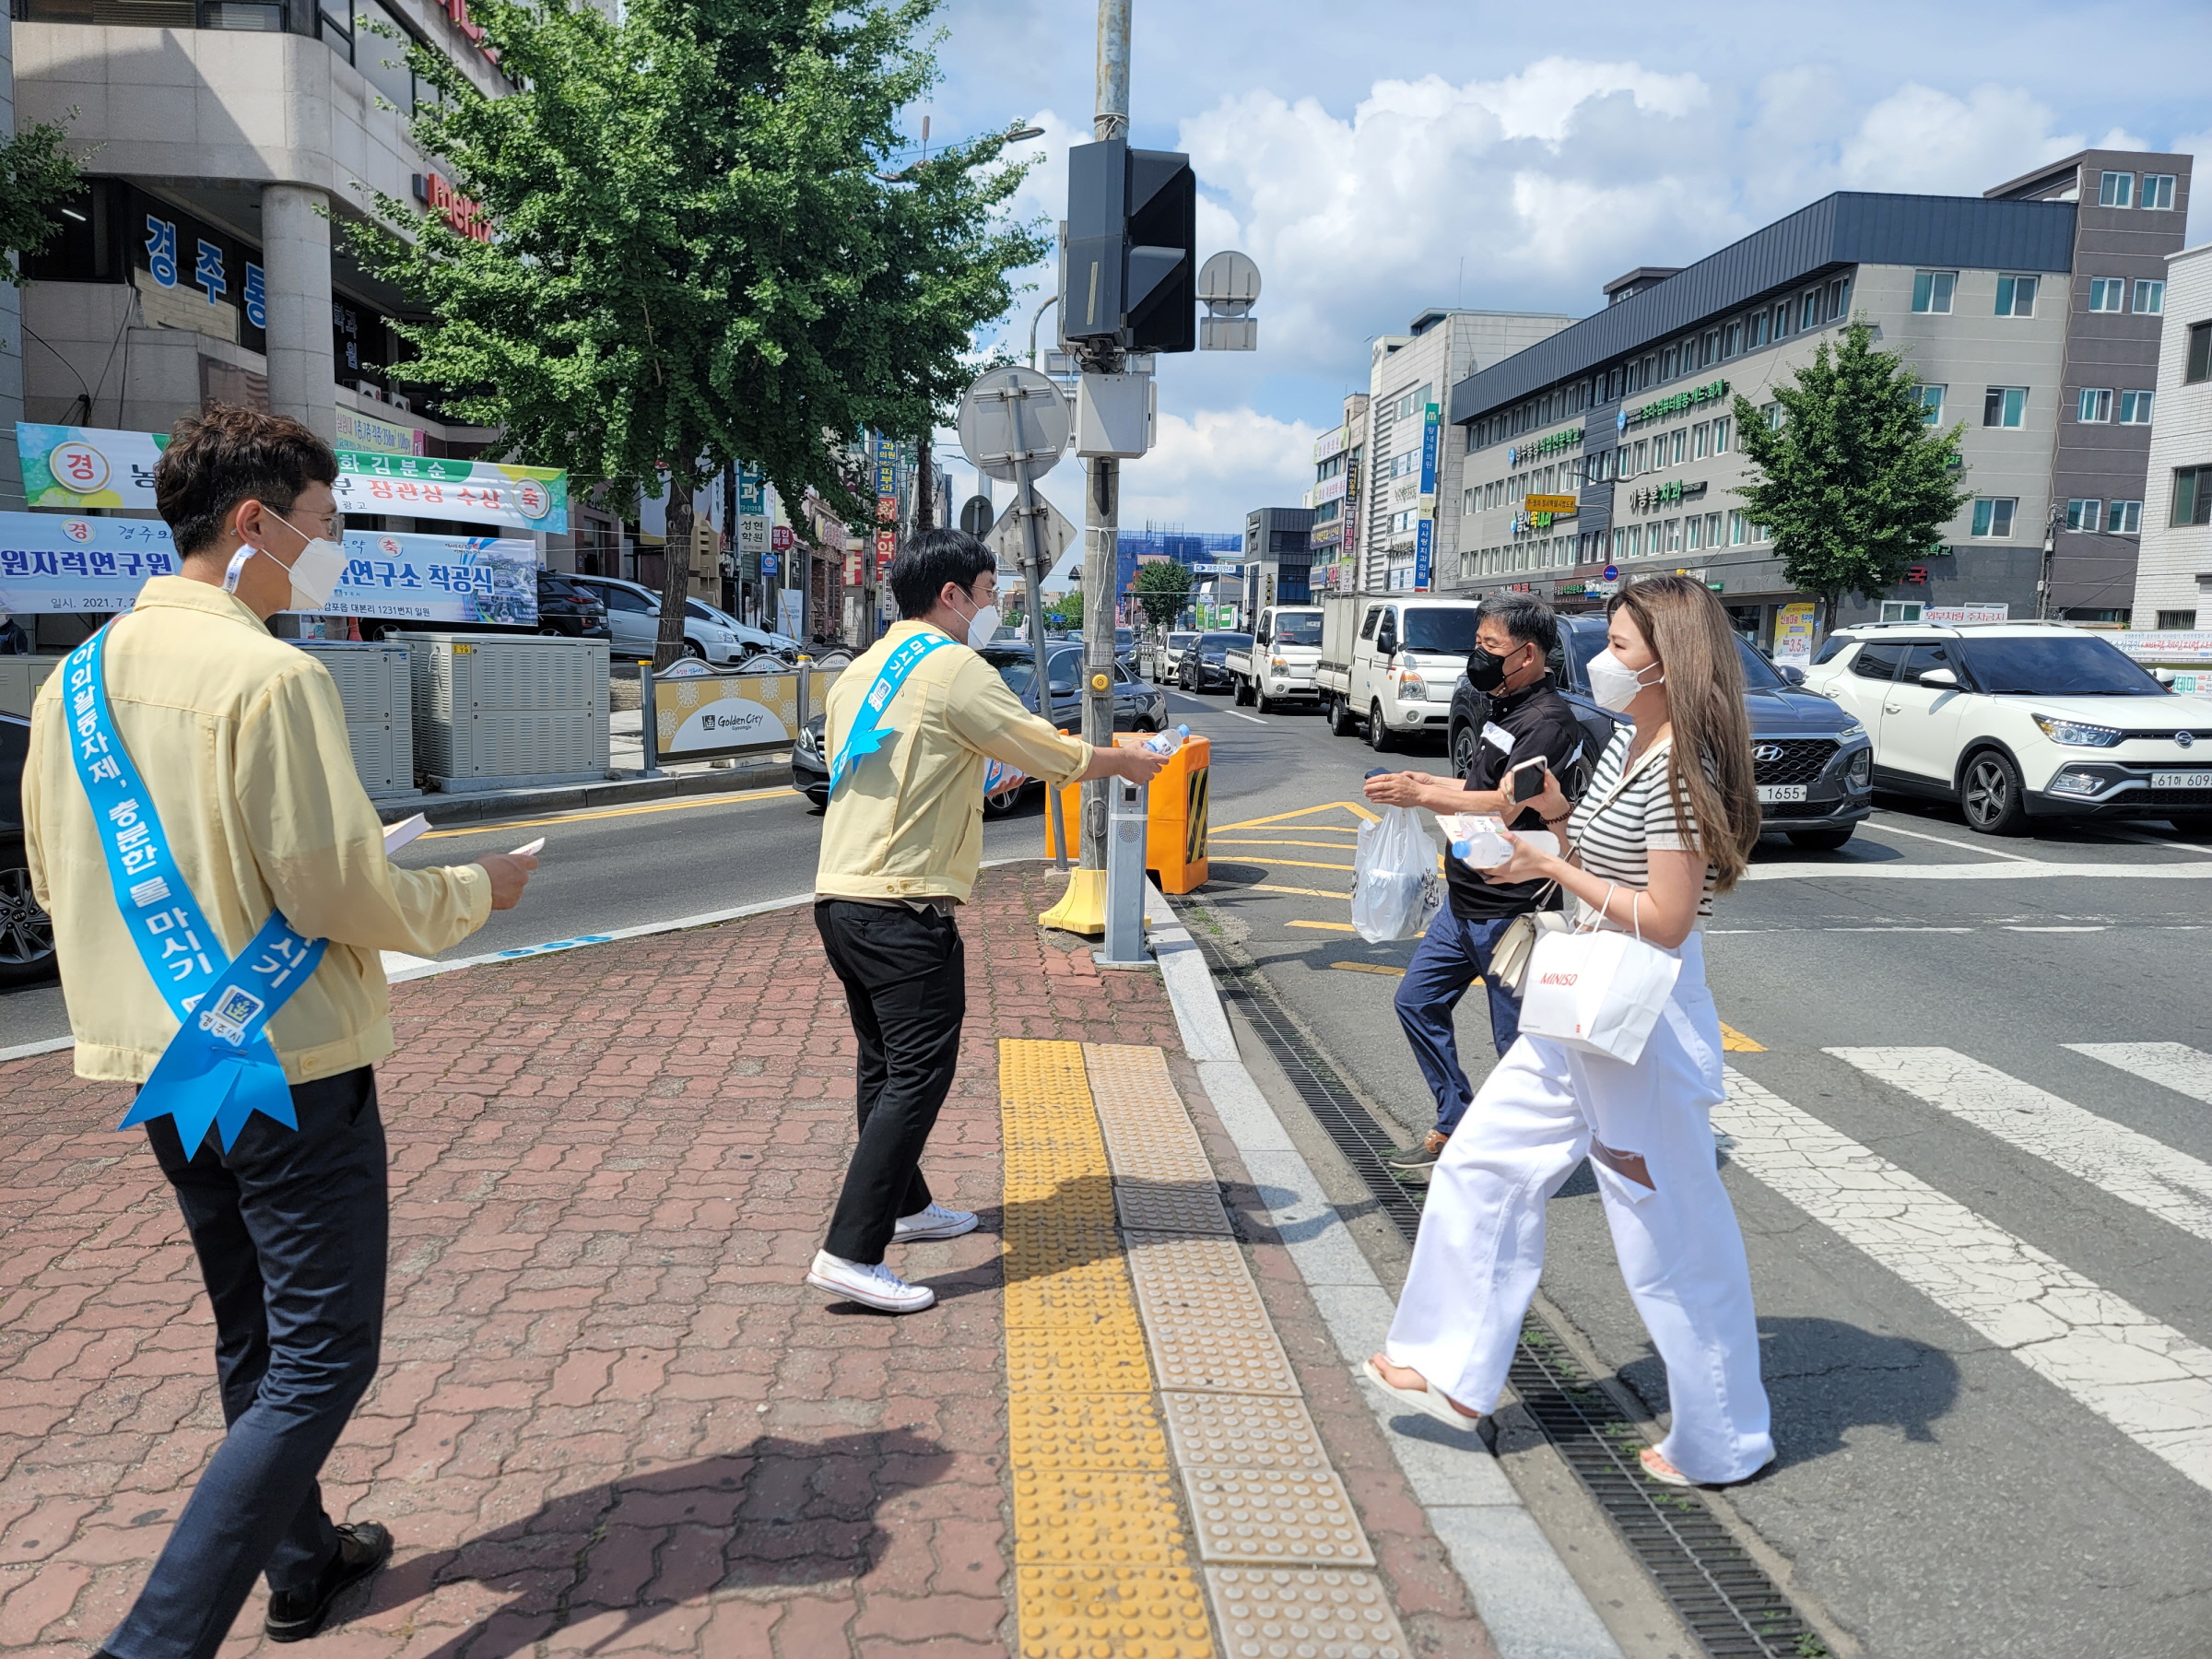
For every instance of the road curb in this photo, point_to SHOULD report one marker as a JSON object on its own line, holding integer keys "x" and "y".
{"x": 1527, "y": 1598}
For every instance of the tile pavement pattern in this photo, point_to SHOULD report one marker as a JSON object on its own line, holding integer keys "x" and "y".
{"x": 611, "y": 1419}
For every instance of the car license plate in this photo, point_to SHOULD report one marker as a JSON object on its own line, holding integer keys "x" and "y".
{"x": 1771, "y": 792}
{"x": 2188, "y": 780}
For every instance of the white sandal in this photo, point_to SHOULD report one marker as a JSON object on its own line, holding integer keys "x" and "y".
{"x": 1424, "y": 1399}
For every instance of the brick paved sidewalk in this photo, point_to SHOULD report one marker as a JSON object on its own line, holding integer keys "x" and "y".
{"x": 611, "y": 1419}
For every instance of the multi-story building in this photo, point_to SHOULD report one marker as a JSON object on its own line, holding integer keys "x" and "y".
{"x": 1276, "y": 556}
{"x": 2173, "y": 580}
{"x": 1339, "y": 463}
{"x": 2031, "y": 316}
{"x": 1409, "y": 517}
{"x": 11, "y": 305}
{"x": 198, "y": 263}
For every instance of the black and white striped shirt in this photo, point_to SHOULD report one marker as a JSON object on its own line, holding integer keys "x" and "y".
{"x": 1614, "y": 828}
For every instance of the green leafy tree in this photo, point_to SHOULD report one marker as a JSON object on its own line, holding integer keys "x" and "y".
{"x": 1163, "y": 588}
{"x": 36, "y": 176}
{"x": 694, "y": 253}
{"x": 1853, "y": 484}
{"x": 1066, "y": 612}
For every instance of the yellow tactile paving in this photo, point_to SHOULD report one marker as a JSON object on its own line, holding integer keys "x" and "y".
{"x": 1103, "y": 1551}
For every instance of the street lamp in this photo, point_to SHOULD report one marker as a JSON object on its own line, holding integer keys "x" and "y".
{"x": 1013, "y": 135}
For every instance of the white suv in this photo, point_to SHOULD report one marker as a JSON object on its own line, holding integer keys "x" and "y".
{"x": 2015, "y": 719}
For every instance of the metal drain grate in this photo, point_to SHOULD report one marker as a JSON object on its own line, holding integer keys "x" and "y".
{"x": 1723, "y": 1596}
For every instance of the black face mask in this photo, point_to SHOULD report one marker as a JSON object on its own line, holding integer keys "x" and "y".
{"x": 1485, "y": 673}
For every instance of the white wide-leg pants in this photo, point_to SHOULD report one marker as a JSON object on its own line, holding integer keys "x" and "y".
{"x": 1481, "y": 1246}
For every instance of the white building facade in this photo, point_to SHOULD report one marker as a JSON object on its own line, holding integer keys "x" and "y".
{"x": 2173, "y": 580}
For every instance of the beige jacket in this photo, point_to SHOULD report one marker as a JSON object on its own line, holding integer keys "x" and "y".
{"x": 909, "y": 822}
{"x": 240, "y": 741}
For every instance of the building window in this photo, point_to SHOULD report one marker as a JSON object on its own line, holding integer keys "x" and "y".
{"x": 1712, "y": 346}
{"x": 1774, "y": 412}
{"x": 1693, "y": 534}
{"x": 2016, "y": 296}
{"x": 2197, "y": 366}
{"x": 1932, "y": 291}
{"x": 1838, "y": 297}
{"x": 2123, "y": 518}
{"x": 1732, "y": 340}
{"x": 2107, "y": 293}
{"x": 1782, "y": 320}
{"x": 1681, "y": 437}
{"x": 1713, "y": 529}
{"x": 1736, "y": 529}
{"x": 1993, "y": 517}
{"x": 2183, "y": 621}
{"x": 1699, "y": 435}
{"x": 2134, "y": 408}
{"x": 2151, "y": 298}
{"x": 1903, "y": 610}
{"x": 2116, "y": 190}
{"x": 1931, "y": 405}
{"x": 2084, "y": 515}
{"x": 1760, "y": 325}
{"x": 2096, "y": 405}
{"x": 2157, "y": 190}
{"x": 1808, "y": 311}
{"x": 1719, "y": 437}
{"x": 2191, "y": 496}
{"x": 2005, "y": 407}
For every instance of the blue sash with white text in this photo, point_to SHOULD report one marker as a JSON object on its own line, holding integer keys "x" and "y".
{"x": 219, "y": 1068}
{"x": 867, "y": 735}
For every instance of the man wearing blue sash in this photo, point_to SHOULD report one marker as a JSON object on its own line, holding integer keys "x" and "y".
{"x": 220, "y": 897}
{"x": 914, "y": 727}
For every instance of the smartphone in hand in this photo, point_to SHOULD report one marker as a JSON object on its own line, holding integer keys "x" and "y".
{"x": 1528, "y": 781}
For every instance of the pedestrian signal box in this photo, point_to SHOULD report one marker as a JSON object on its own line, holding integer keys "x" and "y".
{"x": 1130, "y": 270}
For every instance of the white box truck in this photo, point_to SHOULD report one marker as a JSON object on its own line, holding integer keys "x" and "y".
{"x": 1278, "y": 669}
{"x": 1388, "y": 663}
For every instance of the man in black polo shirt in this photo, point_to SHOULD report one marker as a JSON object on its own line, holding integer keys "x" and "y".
{"x": 1528, "y": 720}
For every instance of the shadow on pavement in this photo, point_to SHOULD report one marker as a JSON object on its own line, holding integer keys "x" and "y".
{"x": 1826, "y": 1378}
{"x": 777, "y": 1513}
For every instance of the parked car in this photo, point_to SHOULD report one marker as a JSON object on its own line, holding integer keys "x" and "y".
{"x": 809, "y": 766}
{"x": 1205, "y": 663}
{"x": 633, "y": 620}
{"x": 1279, "y": 666}
{"x": 26, "y": 932}
{"x": 1389, "y": 664}
{"x": 751, "y": 641}
{"x": 1169, "y": 657}
{"x": 2020, "y": 720}
{"x": 1812, "y": 761}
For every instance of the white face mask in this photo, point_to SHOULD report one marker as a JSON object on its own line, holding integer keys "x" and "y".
{"x": 314, "y": 572}
{"x": 1614, "y": 687}
{"x": 982, "y": 627}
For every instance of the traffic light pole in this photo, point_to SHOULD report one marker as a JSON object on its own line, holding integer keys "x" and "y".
{"x": 1102, "y": 475}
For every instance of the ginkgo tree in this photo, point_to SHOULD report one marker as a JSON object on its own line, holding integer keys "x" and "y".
{"x": 701, "y": 245}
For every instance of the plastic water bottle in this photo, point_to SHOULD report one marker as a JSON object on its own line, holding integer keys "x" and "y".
{"x": 1166, "y": 743}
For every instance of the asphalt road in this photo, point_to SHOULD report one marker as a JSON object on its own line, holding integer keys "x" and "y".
{"x": 1987, "y": 1313}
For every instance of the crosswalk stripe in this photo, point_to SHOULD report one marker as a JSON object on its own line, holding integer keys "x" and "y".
{"x": 2146, "y": 1379}
{"x": 2173, "y": 1065}
{"x": 2112, "y": 1156}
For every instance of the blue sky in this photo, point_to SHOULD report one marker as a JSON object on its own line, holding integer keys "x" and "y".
{"x": 1377, "y": 159}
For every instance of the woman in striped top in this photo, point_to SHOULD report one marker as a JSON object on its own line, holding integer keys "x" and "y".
{"x": 1669, "y": 819}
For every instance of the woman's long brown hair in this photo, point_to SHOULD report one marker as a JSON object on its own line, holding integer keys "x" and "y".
{"x": 1709, "y": 773}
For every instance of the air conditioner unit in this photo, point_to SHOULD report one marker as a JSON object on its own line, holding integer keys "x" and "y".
{"x": 376, "y": 684}
{"x": 507, "y": 711}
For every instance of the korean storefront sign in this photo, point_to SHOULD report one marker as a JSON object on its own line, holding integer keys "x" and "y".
{"x": 1710, "y": 392}
{"x": 1516, "y": 453}
{"x": 53, "y": 563}
{"x": 1794, "y": 635}
{"x": 476, "y": 492}
{"x": 360, "y": 431}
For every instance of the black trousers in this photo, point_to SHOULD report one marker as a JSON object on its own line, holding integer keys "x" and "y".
{"x": 290, "y": 1228}
{"x": 906, "y": 981}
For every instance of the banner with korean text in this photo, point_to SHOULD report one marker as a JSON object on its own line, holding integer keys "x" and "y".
{"x": 76, "y": 467}
{"x": 52, "y": 563}
{"x": 476, "y": 492}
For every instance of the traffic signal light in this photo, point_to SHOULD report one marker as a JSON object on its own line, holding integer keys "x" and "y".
{"x": 1132, "y": 260}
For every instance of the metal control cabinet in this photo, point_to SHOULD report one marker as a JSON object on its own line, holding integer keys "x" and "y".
{"x": 376, "y": 684}
{"x": 507, "y": 711}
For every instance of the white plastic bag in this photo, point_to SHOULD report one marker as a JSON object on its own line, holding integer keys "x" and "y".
{"x": 1596, "y": 990}
{"x": 1397, "y": 881}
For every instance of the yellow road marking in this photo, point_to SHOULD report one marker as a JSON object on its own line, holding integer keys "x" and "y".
{"x": 1221, "y": 840}
{"x": 505, "y": 825}
{"x": 1331, "y": 926}
{"x": 1354, "y": 807}
{"x": 1292, "y": 863}
{"x": 1104, "y": 1563}
{"x": 1735, "y": 1042}
{"x": 1261, "y": 887}
{"x": 1370, "y": 968}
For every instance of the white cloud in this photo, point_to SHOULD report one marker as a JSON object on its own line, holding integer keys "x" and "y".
{"x": 1214, "y": 457}
{"x": 1920, "y": 140}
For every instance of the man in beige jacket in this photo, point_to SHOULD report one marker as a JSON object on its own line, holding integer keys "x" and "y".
{"x": 238, "y": 743}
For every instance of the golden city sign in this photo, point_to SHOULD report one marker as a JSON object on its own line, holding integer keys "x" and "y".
{"x": 1559, "y": 506}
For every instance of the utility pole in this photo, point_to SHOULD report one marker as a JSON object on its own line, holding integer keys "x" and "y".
{"x": 1102, "y": 475}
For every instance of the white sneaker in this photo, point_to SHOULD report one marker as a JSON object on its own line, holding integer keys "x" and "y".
{"x": 936, "y": 1222}
{"x": 875, "y": 1286}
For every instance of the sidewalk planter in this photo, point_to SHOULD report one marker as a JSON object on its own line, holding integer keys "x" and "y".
{"x": 376, "y": 683}
{"x": 508, "y": 712}
{"x": 1175, "y": 827}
